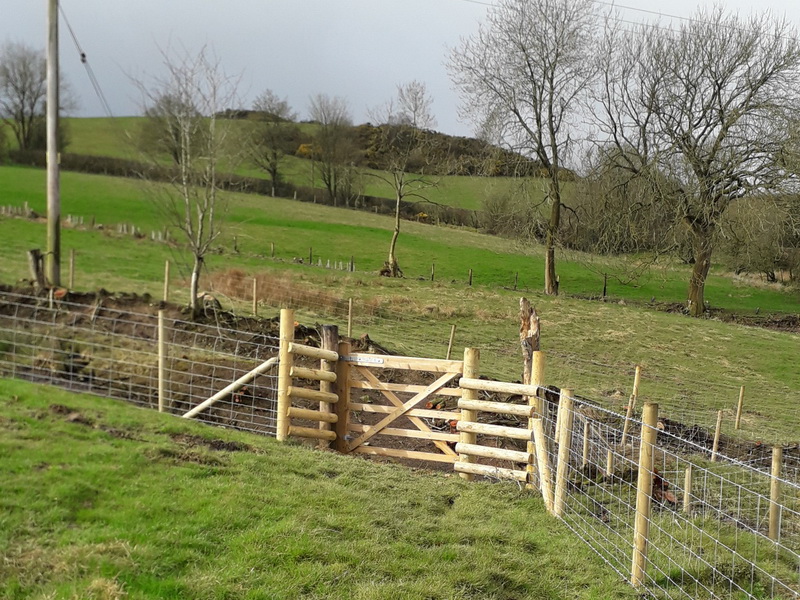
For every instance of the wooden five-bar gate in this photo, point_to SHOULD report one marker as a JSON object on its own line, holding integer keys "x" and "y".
{"x": 354, "y": 409}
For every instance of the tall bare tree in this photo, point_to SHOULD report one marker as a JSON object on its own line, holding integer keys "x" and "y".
{"x": 23, "y": 93}
{"x": 400, "y": 140}
{"x": 522, "y": 77}
{"x": 334, "y": 147}
{"x": 707, "y": 104}
{"x": 196, "y": 90}
{"x": 273, "y": 136}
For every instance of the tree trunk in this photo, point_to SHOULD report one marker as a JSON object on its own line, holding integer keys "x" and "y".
{"x": 194, "y": 302}
{"x": 550, "y": 278}
{"x": 702, "y": 247}
{"x": 391, "y": 268}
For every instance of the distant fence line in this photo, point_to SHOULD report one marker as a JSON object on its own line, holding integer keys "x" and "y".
{"x": 119, "y": 167}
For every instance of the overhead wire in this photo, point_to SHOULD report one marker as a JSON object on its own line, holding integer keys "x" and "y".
{"x": 98, "y": 90}
{"x": 652, "y": 25}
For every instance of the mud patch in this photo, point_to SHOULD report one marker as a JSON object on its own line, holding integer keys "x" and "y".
{"x": 215, "y": 444}
{"x": 71, "y": 415}
{"x": 184, "y": 455}
{"x": 120, "y": 434}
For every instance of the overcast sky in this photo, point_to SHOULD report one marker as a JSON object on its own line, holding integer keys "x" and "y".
{"x": 358, "y": 49}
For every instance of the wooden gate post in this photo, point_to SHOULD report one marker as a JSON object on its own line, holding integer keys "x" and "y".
{"x": 644, "y": 491}
{"x": 284, "y": 370}
{"x": 329, "y": 340}
{"x": 536, "y": 379}
{"x": 775, "y": 494}
{"x": 565, "y": 415}
{"x": 342, "y": 407}
{"x": 472, "y": 357}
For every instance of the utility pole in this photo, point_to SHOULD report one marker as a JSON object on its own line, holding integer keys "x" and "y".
{"x": 53, "y": 257}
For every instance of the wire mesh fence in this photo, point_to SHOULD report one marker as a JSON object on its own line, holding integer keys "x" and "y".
{"x": 716, "y": 530}
{"x": 102, "y": 347}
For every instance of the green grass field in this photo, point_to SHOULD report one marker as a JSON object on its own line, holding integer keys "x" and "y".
{"x": 693, "y": 367}
{"x": 105, "y": 501}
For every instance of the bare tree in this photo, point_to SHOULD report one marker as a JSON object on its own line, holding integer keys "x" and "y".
{"x": 274, "y": 134}
{"x": 400, "y": 139}
{"x": 522, "y": 77}
{"x": 188, "y": 99}
{"x": 163, "y": 133}
{"x": 708, "y": 105}
{"x": 334, "y": 148}
{"x": 23, "y": 93}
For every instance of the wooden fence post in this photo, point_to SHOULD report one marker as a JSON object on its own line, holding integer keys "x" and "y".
{"x": 564, "y": 447}
{"x": 536, "y": 376}
{"x": 717, "y": 431}
{"x": 543, "y": 463}
{"x": 329, "y": 340}
{"x": 739, "y": 409}
{"x": 350, "y": 317}
{"x": 470, "y": 277}
{"x": 166, "y": 281}
{"x": 342, "y": 407}
{"x": 450, "y": 343}
{"x": 272, "y": 249}
{"x": 433, "y": 271}
{"x": 255, "y": 297}
{"x": 586, "y": 432}
{"x": 35, "y": 265}
{"x": 162, "y": 361}
{"x": 284, "y": 369}
{"x": 71, "y": 279}
{"x": 631, "y": 405}
{"x": 644, "y": 491}
{"x": 775, "y": 494}
{"x": 687, "y": 489}
{"x": 472, "y": 357}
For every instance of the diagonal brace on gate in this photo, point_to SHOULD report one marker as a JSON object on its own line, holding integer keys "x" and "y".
{"x": 402, "y": 409}
{"x": 420, "y": 424}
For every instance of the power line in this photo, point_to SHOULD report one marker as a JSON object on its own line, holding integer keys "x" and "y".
{"x": 89, "y": 71}
{"x": 651, "y": 25}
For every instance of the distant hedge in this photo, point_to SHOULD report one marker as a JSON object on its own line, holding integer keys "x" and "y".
{"x": 119, "y": 167}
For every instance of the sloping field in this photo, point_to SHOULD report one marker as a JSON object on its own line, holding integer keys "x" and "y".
{"x": 102, "y": 500}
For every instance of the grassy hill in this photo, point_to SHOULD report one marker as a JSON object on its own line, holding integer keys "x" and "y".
{"x": 117, "y": 137}
{"x": 101, "y": 500}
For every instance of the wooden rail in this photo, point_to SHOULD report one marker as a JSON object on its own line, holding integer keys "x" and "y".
{"x": 514, "y": 433}
{"x": 311, "y": 352}
{"x": 518, "y": 410}
{"x": 490, "y": 471}
{"x": 498, "y": 386}
{"x": 490, "y": 452}
{"x": 312, "y": 415}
